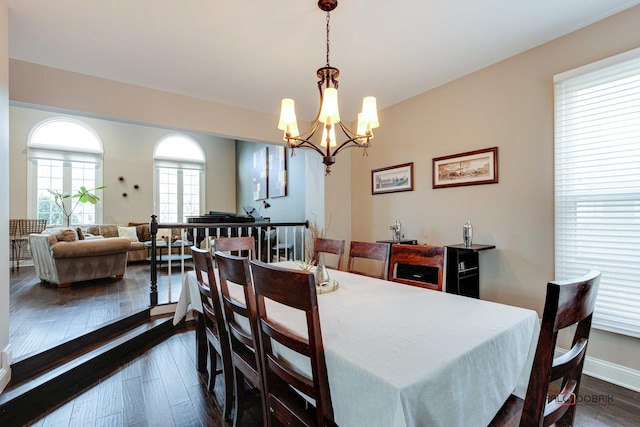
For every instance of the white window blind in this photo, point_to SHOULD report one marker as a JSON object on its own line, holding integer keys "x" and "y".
{"x": 597, "y": 185}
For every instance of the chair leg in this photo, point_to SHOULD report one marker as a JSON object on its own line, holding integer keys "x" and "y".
{"x": 227, "y": 375}
{"x": 201, "y": 343}
{"x": 213, "y": 362}
{"x": 227, "y": 372}
{"x": 239, "y": 398}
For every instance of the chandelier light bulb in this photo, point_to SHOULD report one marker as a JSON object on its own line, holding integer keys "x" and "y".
{"x": 332, "y": 136}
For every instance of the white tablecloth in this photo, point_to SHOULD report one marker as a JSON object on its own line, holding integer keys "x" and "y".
{"x": 399, "y": 355}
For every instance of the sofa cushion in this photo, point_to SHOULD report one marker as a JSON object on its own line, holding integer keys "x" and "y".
{"x": 142, "y": 229}
{"x": 61, "y": 234}
{"x": 90, "y": 248}
{"x": 128, "y": 233}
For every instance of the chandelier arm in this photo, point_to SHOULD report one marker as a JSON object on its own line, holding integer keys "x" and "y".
{"x": 308, "y": 134}
{"x": 353, "y": 135}
{"x": 304, "y": 143}
{"x": 351, "y": 143}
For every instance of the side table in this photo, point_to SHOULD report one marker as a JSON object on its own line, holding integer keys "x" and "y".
{"x": 463, "y": 269}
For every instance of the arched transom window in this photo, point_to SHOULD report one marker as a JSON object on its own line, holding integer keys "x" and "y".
{"x": 64, "y": 155}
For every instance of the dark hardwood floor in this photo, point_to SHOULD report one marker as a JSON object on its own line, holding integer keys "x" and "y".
{"x": 160, "y": 386}
{"x": 42, "y": 315}
{"x": 157, "y": 388}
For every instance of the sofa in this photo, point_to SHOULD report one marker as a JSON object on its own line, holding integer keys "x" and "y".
{"x": 61, "y": 257}
{"x": 136, "y": 232}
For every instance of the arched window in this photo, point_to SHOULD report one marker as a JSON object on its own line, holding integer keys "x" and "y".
{"x": 179, "y": 178}
{"x": 64, "y": 155}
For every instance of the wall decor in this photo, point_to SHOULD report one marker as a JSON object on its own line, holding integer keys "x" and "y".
{"x": 260, "y": 174}
{"x": 392, "y": 179}
{"x": 470, "y": 168}
{"x": 277, "y": 171}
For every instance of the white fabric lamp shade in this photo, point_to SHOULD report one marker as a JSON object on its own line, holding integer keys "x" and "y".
{"x": 329, "y": 113}
{"x": 370, "y": 112}
{"x": 288, "y": 121}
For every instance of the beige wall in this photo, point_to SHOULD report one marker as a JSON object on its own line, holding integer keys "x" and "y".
{"x": 509, "y": 105}
{"x": 54, "y": 88}
{"x": 128, "y": 152}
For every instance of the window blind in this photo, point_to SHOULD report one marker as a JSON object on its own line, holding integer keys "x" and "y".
{"x": 597, "y": 185}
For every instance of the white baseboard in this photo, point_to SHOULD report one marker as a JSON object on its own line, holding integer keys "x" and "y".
{"x": 610, "y": 372}
{"x": 5, "y": 367}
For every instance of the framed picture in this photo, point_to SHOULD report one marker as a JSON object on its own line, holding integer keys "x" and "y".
{"x": 392, "y": 179}
{"x": 277, "y": 171}
{"x": 471, "y": 168}
{"x": 260, "y": 174}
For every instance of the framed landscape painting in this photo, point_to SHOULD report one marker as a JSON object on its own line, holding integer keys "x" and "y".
{"x": 392, "y": 179}
{"x": 471, "y": 168}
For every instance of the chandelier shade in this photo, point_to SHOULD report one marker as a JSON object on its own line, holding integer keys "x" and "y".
{"x": 328, "y": 116}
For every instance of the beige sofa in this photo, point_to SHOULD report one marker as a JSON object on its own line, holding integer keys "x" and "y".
{"x": 60, "y": 257}
{"x": 137, "y": 236}
{"x": 137, "y": 252}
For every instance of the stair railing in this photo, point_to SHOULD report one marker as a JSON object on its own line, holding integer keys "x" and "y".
{"x": 275, "y": 241}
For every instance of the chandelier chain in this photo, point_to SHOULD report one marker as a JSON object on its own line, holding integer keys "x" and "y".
{"x": 328, "y": 20}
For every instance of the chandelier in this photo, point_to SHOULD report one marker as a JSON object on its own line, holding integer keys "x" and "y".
{"x": 328, "y": 117}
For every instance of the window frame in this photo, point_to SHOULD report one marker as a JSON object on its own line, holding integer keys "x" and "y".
{"x": 596, "y": 186}
{"x": 67, "y": 155}
{"x": 180, "y": 164}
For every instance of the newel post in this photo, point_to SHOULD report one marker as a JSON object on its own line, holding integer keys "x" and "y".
{"x": 153, "y": 229}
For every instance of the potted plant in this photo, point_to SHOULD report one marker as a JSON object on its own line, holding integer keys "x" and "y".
{"x": 83, "y": 196}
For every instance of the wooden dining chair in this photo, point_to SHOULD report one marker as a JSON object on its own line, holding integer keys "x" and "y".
{"x": 282, "y": 382}
{"x": 215, "y": 331}
{"x": 328, "y": 246}
{"x": 568, "y": 303}
{"x": 241, "y": 322}
{"x": 236, "y": 245}
{"x": 369, "y": 250}
{"x": 418, "y": 265}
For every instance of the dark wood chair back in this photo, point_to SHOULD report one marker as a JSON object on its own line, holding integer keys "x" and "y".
{"x": 568, "y": 303}
{"x": 369, "y": 250}
{"x": 420, "y": 256}
{"x": 215, "y": 330}
{"x": 328, "y": 246}
{"x": 240, "y": 246}
{"x": 295, "y": 289}
{"x": 241, "y": 321}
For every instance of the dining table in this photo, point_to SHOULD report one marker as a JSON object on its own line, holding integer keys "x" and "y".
{"x": 399, "y": 355}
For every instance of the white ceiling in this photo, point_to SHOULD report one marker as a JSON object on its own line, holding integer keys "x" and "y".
{"x": 252, "y": 53}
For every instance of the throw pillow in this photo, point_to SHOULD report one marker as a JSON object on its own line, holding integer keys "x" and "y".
{"x": 129, "y": 233}
{"x": 80, "y": 233}
{"x": 66, "y": 235}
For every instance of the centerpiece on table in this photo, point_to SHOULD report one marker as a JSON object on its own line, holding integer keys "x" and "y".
{"x": 323, "y": 281}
